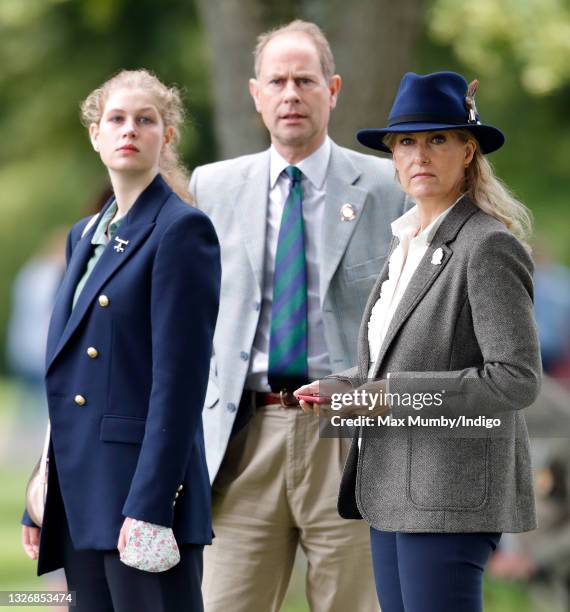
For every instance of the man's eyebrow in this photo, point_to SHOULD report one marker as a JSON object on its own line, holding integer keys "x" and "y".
{"x": 302, "y": 74}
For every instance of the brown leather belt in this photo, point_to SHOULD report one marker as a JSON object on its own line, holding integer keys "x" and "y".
{"x": 284, "y": 399}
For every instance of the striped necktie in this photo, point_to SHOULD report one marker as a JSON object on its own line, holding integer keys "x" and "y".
{"x": 288, "y": 367}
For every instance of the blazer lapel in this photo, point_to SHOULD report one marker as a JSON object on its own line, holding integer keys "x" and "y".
{"x": 62, "y": 307}
{"x": 425, "y": 274}
{"x": 336, "y": 233}
{"x": 137, "y": 225}
{"x": 251, "y": 197}
{"x": 421, "y": 281}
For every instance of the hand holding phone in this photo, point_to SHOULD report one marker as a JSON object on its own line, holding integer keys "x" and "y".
{"x": 309, "y": 397}
{"x": 314, "y": 399}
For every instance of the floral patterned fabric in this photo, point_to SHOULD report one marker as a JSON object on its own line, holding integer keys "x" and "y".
{"x": 151, "y": 548}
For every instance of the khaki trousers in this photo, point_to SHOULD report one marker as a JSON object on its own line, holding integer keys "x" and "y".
{"x": 276, "y": 490}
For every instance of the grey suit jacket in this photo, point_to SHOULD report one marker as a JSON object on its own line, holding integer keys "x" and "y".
{"x": 234, "y": 194}
{"x": 466, "y": 326}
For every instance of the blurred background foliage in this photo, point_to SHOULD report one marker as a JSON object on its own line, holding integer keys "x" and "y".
{"x": 531, "y": 37}
{"x": 54, "y": 52}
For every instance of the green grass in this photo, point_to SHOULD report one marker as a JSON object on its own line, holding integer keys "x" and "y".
{"x": 17, "y": 572}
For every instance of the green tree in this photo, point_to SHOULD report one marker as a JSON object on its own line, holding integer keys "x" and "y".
{"x": 530, "y": 36}
{"x": 520, "y": 52}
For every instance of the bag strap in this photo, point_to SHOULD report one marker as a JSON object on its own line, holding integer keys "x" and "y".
{"x": 44, "y": 458}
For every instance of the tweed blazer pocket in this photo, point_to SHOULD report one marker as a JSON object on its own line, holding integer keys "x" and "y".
{"x": 448, "y": 473}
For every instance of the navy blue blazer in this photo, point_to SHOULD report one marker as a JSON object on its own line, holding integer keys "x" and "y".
{"x": 127, "y": 436}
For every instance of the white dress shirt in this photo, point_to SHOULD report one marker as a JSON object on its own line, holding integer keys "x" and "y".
{"x": 402, "y": 264}
{"x": 313, "y": 184}
{"x": 401, "y": 267}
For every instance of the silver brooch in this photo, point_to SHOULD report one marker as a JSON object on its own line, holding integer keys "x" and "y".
{"x": 437, "y": 257}
{"x": 121, "y": 244}
{"x": 347, "y": 212}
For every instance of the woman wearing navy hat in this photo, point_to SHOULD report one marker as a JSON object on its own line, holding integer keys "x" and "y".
{"x": 128, "y": 357}
{"x": 449, "y": 323}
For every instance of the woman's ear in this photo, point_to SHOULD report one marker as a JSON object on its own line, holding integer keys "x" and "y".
{"x": 470, "y": 148}
{"x": 94, "y": 135}
{"x": 168, "y": 134}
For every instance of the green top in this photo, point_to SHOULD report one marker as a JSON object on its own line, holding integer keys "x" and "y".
{"x": 100, "y": 241}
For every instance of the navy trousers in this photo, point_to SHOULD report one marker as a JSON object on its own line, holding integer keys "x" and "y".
{"x": 103, "y": 583}
{"x": 430, "y": 572}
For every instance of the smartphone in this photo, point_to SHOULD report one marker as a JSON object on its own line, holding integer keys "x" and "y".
{"x": 315, "y": 399}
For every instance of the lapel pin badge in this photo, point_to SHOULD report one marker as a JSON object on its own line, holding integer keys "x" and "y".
{"x": 121, "y": 244}
{"x": 437, "y": 257}
{"x": 347, "y": 212}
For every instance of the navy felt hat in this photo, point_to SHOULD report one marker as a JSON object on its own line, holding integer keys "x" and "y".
{"x": 436, "y": 101}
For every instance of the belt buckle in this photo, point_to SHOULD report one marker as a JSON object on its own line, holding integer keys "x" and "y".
{"x": 284, "y": 399}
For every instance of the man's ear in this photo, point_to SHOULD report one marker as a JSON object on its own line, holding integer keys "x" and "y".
{"x": 254, "y": 92}
{"x": 94, "y": 135}
{"x": 335, "y": 83}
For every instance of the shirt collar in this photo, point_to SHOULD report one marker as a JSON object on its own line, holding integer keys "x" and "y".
{"x": 407, "y": 225}
{"x": 314, "y": 167}
{"x": 100, "y": 233}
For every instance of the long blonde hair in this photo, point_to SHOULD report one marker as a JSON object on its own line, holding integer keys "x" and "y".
{"x": 488, "y": 192}
{"x": 169, "y": 105}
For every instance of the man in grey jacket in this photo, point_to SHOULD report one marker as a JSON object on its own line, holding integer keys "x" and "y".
{"x": 304, "y": 229}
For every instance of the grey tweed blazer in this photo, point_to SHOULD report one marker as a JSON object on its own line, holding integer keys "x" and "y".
{"x": 465, "y": 325}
